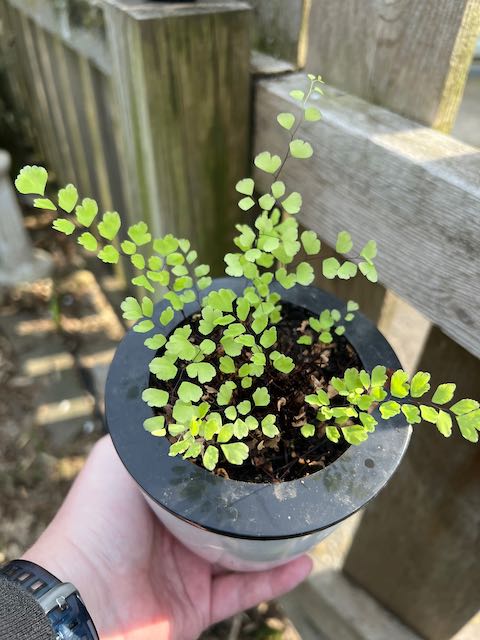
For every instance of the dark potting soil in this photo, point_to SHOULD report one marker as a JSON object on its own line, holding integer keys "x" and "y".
{"x": 289, "y": 455}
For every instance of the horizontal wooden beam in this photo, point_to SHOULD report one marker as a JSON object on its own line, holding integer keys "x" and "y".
{"x": 378, "y": 175}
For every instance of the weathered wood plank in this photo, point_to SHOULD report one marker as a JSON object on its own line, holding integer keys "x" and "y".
{"x": 415, "y": 549}
{"x": 381, "y": 176}
{"x": 65, "y": 167}
{"x": 78, "y": 23}
{"x": 409, "y": 56}
{"x": 13, "y": 67}
{"x": 65, "y": 80}
{"x": 42, "y": 115}
{"x": 280, "y": 28}
{"x": 100, "y": 154}
{"x": 185, "y": 133}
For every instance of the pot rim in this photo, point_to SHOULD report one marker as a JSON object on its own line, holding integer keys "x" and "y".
{"x": 242, "y": 509}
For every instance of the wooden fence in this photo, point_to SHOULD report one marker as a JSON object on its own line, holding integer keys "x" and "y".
{"x": 140, "y": 105}
{"x": 159, "y": 96}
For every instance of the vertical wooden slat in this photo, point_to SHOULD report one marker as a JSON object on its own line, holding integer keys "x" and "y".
{"x": 409, "y": 56}
{"x": 100, "y": 153}
{"x": 416, "y": 547}
{"x": 87, "y": 157}
{"x": 53, "y": 98}
{"x": 107, "y": 116}
{"x": 185, "y": 134}
{"x": 32, "y": 83}
{"x": 63, "y": 83}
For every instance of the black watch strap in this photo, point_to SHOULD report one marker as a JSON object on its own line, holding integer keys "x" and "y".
{"x": 60, "y": 601}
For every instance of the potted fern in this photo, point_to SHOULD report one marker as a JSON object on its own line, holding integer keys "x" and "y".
{"x": 255, "y": 411}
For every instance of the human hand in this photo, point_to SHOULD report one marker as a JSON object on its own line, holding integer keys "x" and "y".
{"x": 137, "y": 581}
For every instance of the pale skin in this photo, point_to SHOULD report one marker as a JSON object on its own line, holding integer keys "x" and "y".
{"x": 137, "y": 581}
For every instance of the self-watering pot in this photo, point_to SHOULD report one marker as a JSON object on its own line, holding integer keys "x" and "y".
{"x": 241, "y": 525}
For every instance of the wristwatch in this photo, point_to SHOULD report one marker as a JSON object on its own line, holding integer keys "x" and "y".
{"x": 61, "y": 601}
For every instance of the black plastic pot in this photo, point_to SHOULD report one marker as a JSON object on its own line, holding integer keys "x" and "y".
{"x": 243, "y": 525}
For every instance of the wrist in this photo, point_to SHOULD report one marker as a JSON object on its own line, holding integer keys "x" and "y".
{"x": 60, "y": 602}
{"x": 68, "y": 566}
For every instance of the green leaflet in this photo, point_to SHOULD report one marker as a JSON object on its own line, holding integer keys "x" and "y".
{"x": 310, "y": 242}
{"x": 139, "y": 234}
{"x": 155, "y": 342}
{"x": 419, "y": 384}
{"x": 429, "y": 413}
{"x": 330, "y": 268}
{"x": 293, "y": 203}
{"x": 399, "y": 386}
{"x": 109, "y": 254}
{"x": 110, "y": 224}
{"x": 344, "y": 242}
{"x": 166, "y": 316}
{"x": 245, "y": 186}
{"x": 444, "y": 393}
{"x": 267, "y": 162}
{"x": 379, "y": 376}
{"x": 355, "y": 434}
{"x": 235, "y": 453}
{"x": 312, "y": 114}
{"x": 64, "y": 226}
{"x": 305, "y": 274}
{"x": 225, "y": 392}
{"x": 308, "y": 430}
{"x": 411, "y": 413}
{"x": 246, "y": 203}
{"x": 210, "y": 458}
{"x": 464, "y": 406}
{"x": 389, "y": 409}
{"x": 189, "y": 392}
{"x": 44, "y": 203}
{"x": 261, "y": 397}
{"x": 163, "y": 368}
{"x": 68, "y": 198}
{"x": 469, "y": 425}
{"x": 301, "y": 149}
{"x": 369, "y": 251}
{"x": 88, "y": 241}
{"x": 155, "y": 425}
{"x": 86, "y": 211}
{"x": 444, "y": 423}
{"x": 278, "y": 189}
{"x": 164, "y": 246}
{"x": 155, "y": 397}
{"x": 204, "y": 371}
{"x": 269, "y": 427}
{"x": 32, "y": 180}
{"x": 286, "y": 120}
{"x": 297, "y": 94}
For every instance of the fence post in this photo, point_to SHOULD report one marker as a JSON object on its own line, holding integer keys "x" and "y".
{"x": 181, "y": 78}
{"x": 408, "y": 56}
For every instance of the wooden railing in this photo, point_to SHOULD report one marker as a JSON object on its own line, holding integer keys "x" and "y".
{"x": 146, "y": 106}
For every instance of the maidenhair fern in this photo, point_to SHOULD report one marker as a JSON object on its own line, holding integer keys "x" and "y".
{"x": 239, "y": 338}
